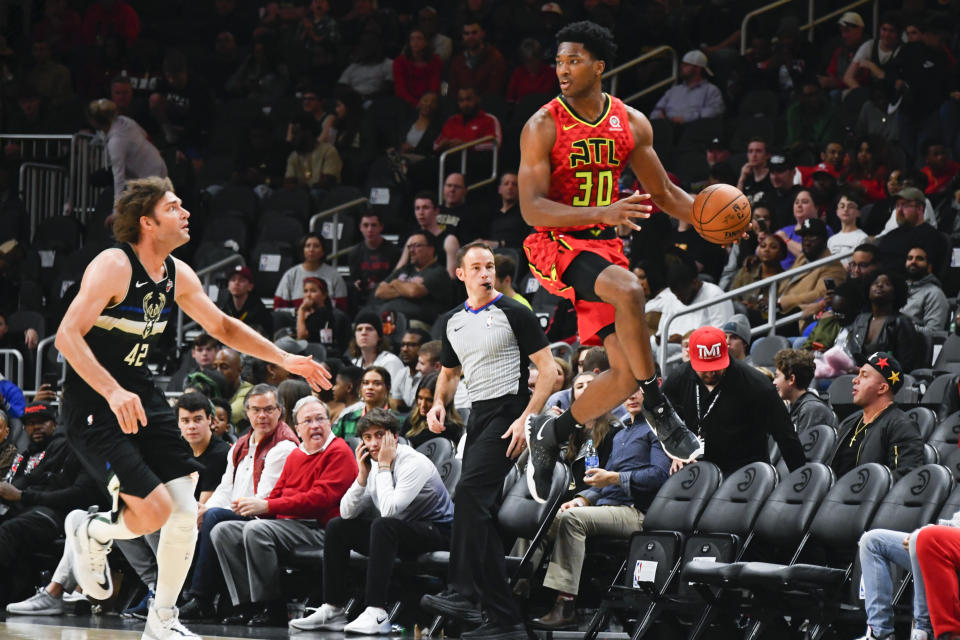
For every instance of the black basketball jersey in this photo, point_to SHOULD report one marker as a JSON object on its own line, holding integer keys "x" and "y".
{"x": 123, "y": 334}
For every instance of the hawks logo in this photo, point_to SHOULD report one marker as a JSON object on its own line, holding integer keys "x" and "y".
{"x": 151, "y": 312}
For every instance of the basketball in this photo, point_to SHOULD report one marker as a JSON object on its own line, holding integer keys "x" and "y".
{"x": 721, "y": 213}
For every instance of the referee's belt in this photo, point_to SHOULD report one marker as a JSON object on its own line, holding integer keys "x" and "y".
{"x": 594, "y": 233}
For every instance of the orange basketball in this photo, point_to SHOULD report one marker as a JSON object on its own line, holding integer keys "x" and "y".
{"x": 721, "y": 213}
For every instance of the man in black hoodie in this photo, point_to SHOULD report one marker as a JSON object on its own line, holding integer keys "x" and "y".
{"x": 45, "y": 483}
{"x": 881, "y": 432}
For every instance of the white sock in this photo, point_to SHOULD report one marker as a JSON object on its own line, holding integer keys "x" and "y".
{"x": 178, "y": 537}
{"x": 103, "y": 529}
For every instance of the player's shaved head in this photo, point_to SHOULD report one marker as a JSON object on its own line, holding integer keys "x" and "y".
{"x": 598, "y": 41}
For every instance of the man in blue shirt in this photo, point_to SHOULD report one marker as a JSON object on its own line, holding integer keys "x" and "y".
{"x": 612, "y": 506}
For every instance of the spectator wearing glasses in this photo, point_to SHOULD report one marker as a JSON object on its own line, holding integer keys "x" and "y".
{"x": 305, "y": 498}
{"x": 254, "y": 465}
{"x": 396, "y": 507}
{"x": 850, "y": 235}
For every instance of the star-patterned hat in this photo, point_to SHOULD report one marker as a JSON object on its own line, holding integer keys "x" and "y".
{"x": 887, "y": 366}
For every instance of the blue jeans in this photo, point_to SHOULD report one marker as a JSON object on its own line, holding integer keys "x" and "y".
{"x": 878, "y": 549}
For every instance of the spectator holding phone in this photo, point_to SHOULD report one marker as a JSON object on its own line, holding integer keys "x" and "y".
{"x": 809, "y": 286}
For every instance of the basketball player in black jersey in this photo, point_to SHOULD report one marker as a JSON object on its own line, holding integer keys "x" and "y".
{"x": 117, "y": 420}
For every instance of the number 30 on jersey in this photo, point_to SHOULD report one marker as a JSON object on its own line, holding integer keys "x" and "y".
{"x": 137, "y": 355}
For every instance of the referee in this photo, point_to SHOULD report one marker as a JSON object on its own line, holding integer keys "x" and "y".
{"x": 489, "y": 338}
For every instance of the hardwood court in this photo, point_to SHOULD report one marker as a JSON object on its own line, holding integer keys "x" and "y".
{"x": 115, "y": 628}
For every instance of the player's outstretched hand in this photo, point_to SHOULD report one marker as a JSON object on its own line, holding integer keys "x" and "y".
{"x": 309, "y": 369}
{"x": 625, "y": 210}
{"x": 436, "y": 418}
{"x": 128, "y": 409}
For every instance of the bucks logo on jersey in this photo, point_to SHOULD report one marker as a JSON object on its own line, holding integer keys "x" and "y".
{"x": 151, "y": 311}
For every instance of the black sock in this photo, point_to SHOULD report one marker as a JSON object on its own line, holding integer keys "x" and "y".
{"x": 651, "y": 391}
{"x": 564, "y": 425}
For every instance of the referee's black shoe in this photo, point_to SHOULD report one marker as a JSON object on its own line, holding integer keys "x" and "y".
{"x": 544, "y": 451}
{"x": 453, "y": 605}
{"x": 490, "y": 630}
{"x": 677, "y": 441}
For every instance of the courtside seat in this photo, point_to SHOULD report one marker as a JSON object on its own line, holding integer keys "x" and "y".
{"x": 781, "y": 524}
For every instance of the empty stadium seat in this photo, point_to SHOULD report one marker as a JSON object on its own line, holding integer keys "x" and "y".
{"x": 763, "y": 349}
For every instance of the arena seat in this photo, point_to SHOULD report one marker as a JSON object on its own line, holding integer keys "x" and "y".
{"x": 946, "y": 434}
{"x": 925, "y": 419}
{"x": 764, "y": 348}
{"x": 670, "y": 519}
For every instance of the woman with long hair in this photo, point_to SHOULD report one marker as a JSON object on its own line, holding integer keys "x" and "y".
{"x": 415, "y": 428}
{"x": 601, "y": 431}
{"x": 374, "y": 394}
{"x": 884, "y": 328}
{"x": 290, "y": 288}
{"x": 417, "y": 69}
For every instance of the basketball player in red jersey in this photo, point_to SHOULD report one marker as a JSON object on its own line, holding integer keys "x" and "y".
{"x": 571, "y": 154}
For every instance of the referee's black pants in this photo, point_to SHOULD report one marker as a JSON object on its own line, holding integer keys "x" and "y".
{"x": 477, "y": 567}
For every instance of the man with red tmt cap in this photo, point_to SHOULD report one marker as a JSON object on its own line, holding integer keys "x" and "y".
{"x": 731, "y": 406}
{"x": 881, "y": 431}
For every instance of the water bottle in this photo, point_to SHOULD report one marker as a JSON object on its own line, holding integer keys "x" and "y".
{"x": 592, "y": 460}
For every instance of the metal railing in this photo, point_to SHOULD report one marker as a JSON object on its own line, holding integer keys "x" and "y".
{"x": 45, "y": 189}
{"x": 8, "y": 356}
{"x": 333, "y": 230}
{"x": 614, "y": 74}
{"x": 87, "y": 154}
{"x": 462, "y": 150}
{"x": 770, "y": 326}
{"x": 811, "y": 20}
{"x": 55, "y": 174}
{"x": 205, "y": 275}
{"x": 38, "y": 374}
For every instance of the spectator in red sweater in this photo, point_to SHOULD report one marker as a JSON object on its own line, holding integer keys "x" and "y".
{"x": 108, "y": 17}
{"x": 417, "y": 69}
{"x": 939, "y": 169}
{"x": 534, "y": 75}
{"x": 307, "y": 495}
{"x": 479, "y": 65}
{"x": 471, "y": 123}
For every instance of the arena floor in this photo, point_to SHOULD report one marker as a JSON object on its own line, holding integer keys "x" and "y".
{"x": 116, "y": 628}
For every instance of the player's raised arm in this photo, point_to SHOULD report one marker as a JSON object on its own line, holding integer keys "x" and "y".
{"x": 102, "y": 285}
{"x": 536, "y": 142}
{"x": 234, "y": 333}
{"x": 650, "y": 172}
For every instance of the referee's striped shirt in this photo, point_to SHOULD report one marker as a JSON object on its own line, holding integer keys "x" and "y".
{"x": 492, "y": 344}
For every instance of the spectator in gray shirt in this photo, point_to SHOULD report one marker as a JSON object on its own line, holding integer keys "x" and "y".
{"x": 398, "y": 505}
{"x": 926, "y": 302}
{"x": 794, "y": 373}
{"x": 129, "y": 152}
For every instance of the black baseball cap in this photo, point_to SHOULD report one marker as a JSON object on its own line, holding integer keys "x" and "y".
{"x": 38, "y": 412}
{"x": 779, "y": 162}
{"x": 813, "y": 227}
{"x": 886, "y": 365}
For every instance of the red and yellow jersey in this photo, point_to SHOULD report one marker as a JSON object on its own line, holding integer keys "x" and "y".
{"x": 587, "y": 157}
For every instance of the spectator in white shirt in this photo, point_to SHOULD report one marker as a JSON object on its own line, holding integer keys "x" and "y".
{"x": 850, "y": 235}
{"x": 688, "y": 289}
{"x": 254, "y": 464}
{"x": 130, "y": 153}
{"x": 397, "y": 506}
